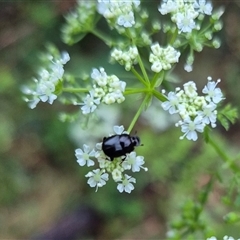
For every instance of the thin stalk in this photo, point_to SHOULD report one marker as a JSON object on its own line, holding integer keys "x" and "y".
{"x": 139, "y": 77}
{"x": 75, "y": 90}
{"x": 143, "y": 68}
{"x": 138, "y": 113}
{"x": 129, "y": 91}
{"x": 223, "y": 155}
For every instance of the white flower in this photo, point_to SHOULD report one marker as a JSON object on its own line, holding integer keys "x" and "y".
{"x": 185, "y": 22}
{"x": 195, "y": 111}
{"x": 182, "y": 13}
{"x": 172, "y": 104}
{"x": 204, "y": 7}
{"x": 107, "y": 89}
{"x": 65, "y": 57}
{"x": 126, "y": 20}
{"x": 188, "y": 67}
{"x": 190, "y": 89}
{"x": 118, "y": 129}
{"x": 117, "y": 174}
{"x": 162, "y": 58}
{"x": 78, "y": 20}
{"x": 100, "y": 76}
{"x": 83, "y": 156}
{"x": 97, "y": 178}
{"x": 45, "y": 92}
{"x": 118, "y": 13}
{"x": 90, "y": 104}
{"x": 47, "y": 81}
{"x": 127, "y": 58}
{"x": 126, "y": 184}
{"x": 133, "y": 162}
{"x": 209, "y": 114}
{"x": 191, "y": 127}
{"x": 213, "y": 94}
{"x": 167, "y": 7}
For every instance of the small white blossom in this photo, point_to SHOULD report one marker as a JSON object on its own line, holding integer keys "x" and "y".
{"x": 172, "y": 104}
{"x": 133, "y": 162}
{"x": 167, "y": 7}
{"x": 213, "y": 94}
{"x": 106, "y": 89}
{"x": 100, "y": 76}
{"x": 90, "y": 104}
{"x": 47, "y": 81}
{"x": 185, "y": 13}
{"x": 127, "y": 58}
{"x": 97, "y": 178}
{"x": 162, "y": 58}
{"x": 118, "y": 13}
{"x": 226, "y": 237}
{"x": 118, "y": 129}
{"x": 191, "y": 127}
{"x": 126, "y": 184}
{"x": 83, "y": 156}
{"x": 188, "y": 67}
{"x": 185, "y": 21}
{"x": 117, "y": 174}
{"x": 209, "y": 114}
{"x": 190, "y": 89}
{"x": 204, "y": 7}
{"x": 195, "y": 111}
{"x": 78, "y": 21}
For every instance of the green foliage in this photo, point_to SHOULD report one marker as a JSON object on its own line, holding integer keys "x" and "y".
{"x": 227, "y": 115}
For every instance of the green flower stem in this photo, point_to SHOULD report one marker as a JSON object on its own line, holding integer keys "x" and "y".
{"x": 174, "y": 36}
{"x": 75, "y": 90}
{"x": 203, "y": 196}
{"x": 102, "y": 36}
{"x": 143, "y": 69}
{"x": 139, "y": 77}
{"x": 223, "y": 155}
{"x": 129, "y": 91}
{"x": 204, "y": 30}
{"x": 138, "y": 113}
{"x": 159, "y": 96}
{"x": 157, "y": 79}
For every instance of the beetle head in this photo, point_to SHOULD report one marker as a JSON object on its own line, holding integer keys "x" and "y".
{"x": 135, "y": 140}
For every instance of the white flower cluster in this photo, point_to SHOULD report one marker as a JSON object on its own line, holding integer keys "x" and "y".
{"x": 106, "y": 89}
{"x": 47, "y": 81}
{"x": 98, "y": 177}
{"x": 118, "y": 13}
{"x": 184, "y": 12}
{"x": 224, "y": 238}
{"x": 127, "y": 58}
{"x": 79, "y": 21}
{"x": 162, "y": 58}
{"x": 195, "y": 111}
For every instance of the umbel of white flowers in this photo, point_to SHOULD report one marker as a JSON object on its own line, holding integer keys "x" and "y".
{"x": 106, "y": 89}
{"x": 98, "y": 177}
{"x": 195, "y": 111}
{"x": 47, "y": 81}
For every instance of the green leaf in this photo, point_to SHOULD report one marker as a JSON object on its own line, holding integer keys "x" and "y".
{"x": 227, "y": 115}
{"x": 231, "y": 217}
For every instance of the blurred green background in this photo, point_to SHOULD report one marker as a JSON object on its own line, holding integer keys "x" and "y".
{"x": 43, "y": 191}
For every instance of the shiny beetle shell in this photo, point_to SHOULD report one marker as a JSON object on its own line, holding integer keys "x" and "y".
{"x": 119, "y": 145}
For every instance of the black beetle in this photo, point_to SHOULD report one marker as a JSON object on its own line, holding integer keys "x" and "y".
{"x": 119, "y": 145}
